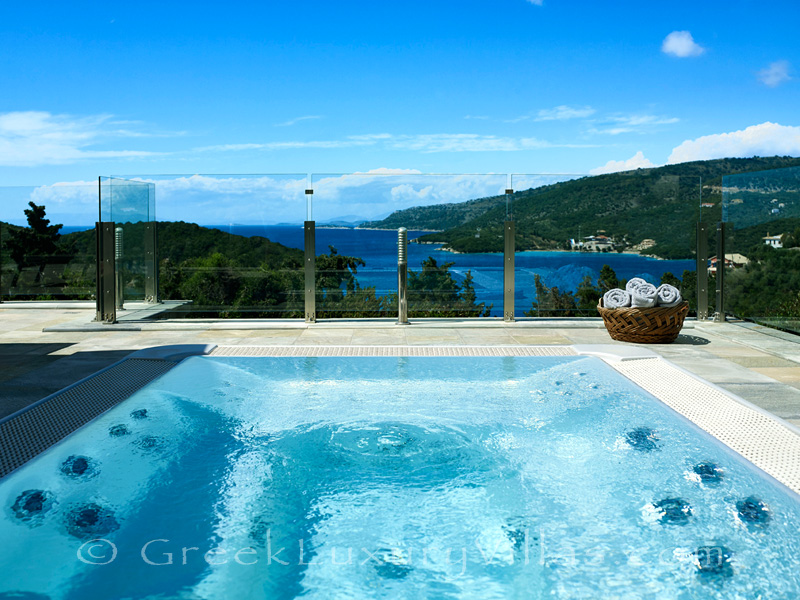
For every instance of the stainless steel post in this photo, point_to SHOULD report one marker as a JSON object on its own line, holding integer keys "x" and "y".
{"x": 508, "y": 272}
{"x": 104, "y": 296}
{"x": 702, "y": 271}
{"x": 151, "y": 263}
{"x": 720, "y": 272}
{"x": 402, "y": 276}
{"x": 118, "y": 240}
{"x": 310, "y": 272}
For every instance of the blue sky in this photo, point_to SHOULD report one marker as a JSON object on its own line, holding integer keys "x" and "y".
{"x": 557, "y": 86}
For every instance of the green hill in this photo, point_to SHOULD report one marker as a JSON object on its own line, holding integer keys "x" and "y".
{"x": 179, "y": 241}
{"x": 661, "y": 204}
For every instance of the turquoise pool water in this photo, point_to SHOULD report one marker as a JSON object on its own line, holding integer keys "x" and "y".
{"x": 512, "y": 477}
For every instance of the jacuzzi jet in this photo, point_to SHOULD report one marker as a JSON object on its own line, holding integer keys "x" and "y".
{"x": 31, "y": 504}
{"x": 674, "y": 510}
{"x": 515, "y": 530}
{"x": 392, "y": 565}
{"x": 709, "y": 472}
{"x": 78, "y": 466}
{"x": 713, "y": 562}
{"x": 139, "y": 414}
{"x": 150, "y": 442}
{"x": 643, "y": 439}
{"x": 753, "y": 510}
{"x": 394, "y": 440}
{"x": 119, "y": 431}
{"x": 90, "y": 520}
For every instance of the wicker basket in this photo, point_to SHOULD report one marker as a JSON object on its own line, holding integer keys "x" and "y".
{"x": 658, "y": 325}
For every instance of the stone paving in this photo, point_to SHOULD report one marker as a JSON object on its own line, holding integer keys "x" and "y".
{"x": 43, "y": 350}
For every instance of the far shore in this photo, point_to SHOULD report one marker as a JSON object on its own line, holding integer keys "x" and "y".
{"x": 587, "y": 252}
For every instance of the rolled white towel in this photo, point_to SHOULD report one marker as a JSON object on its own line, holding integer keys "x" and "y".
{"x": 633, "y": 284}
{"x": 644, "y": 296}
{"x": 668, "y": 295}
{"x": 616, "y": 298}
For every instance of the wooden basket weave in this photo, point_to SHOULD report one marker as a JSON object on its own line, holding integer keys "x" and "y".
{"x": 658, "y": 325}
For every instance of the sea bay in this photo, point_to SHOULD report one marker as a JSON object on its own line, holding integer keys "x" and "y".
{"x": 378, "y": 249}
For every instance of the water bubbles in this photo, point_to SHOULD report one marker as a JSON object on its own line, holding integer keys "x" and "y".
{"x": 392, "y": 564}
{"x": 673, "y": 510}
{"x": 708, "y": 473}
{"x": 713, "y": 562}
{"x": 91, "y": 520}
{"x": 753, "y": 510}
{"x": 79, "y": 467}
{"x": 31, "y": 505}
{"x": 642, "y": 439}
{"x": 150, "y": 442}
{"x": 139, "y": 414}
{"x": 119, "y": 431}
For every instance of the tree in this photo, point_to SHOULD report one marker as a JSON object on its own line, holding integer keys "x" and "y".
{"x": 551, "y": 302}
{"x": 434, "y": 292}
{"x": 587, "y": 296}
{"x": 608, "y": 279}
{"x": 37, "y": 244}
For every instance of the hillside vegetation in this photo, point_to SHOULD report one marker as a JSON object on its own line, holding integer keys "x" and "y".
{"x": 661, "y": 204}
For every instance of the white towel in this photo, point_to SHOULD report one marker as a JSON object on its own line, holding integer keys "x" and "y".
{"x": 668, "y": 295}
{"x": 644, "y": 296}
{"x": 633, "y": 284}
{"x": 616, "y": 298}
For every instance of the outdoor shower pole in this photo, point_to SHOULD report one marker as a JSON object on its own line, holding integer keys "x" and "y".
{"x": 118, "y": 260}
{"x": 720, "y": 272}
{"x": 702, "y": 271}
{"x": 508, "y": 260}
{"x": 402, "y": 276}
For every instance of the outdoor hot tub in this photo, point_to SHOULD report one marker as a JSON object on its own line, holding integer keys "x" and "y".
{"x": 517, "y": 476}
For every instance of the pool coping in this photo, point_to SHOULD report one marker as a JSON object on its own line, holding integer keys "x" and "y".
{"x": 765, "y": 440}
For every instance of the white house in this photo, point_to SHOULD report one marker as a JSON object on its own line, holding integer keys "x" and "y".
{"x": 773, "y": 240}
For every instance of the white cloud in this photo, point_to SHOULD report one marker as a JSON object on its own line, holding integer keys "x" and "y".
{"x": 766, "y": 139}
{"x": 30, "y": 138}
{"x": 776, "y": 73}
{"x": 562, "y": 113}
{"x": 269, "y": 199}
{"x": 465, "y": 142}
{"x": 632, "y": 124}
{"x": 536, "y": 2}
{"x": 297, "y": 120}
{"x": 681, "y": 44}
{"x": 427, "y": 143}
{"x": 273, "y": 199}
{"x": 637, "y": 161}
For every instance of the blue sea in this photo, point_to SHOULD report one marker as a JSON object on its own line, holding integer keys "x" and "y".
{"x": 378, "y": 248}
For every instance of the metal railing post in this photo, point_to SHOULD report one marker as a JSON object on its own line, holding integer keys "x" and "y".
{"x": 310, "y": 271}
{"x": 702, "y": 271}
{"x": 106, "y": 268}
{"x": 402, "y": 276}
{"x": 508, "y": 271}
{"x": 720, "y": 316}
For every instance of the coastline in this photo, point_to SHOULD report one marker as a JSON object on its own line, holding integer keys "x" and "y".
{"x": 584, "y": 253}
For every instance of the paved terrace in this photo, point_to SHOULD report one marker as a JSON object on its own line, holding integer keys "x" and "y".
{"x": 45, "y": 347}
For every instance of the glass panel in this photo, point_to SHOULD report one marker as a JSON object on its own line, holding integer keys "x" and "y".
{"x": 762, "y": 211}
{"x": 358, "y": 215}
{"x": 130, "y": 204}
{"x": 47, "y": 245}
{"x": 229, "y": 246}
{"x": 577, "y": 237}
